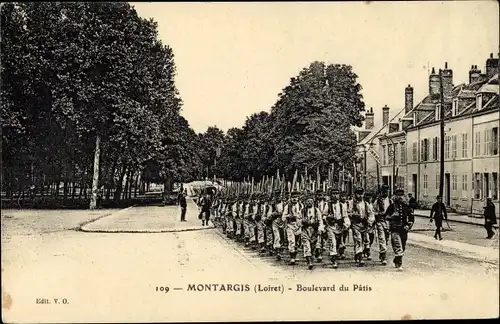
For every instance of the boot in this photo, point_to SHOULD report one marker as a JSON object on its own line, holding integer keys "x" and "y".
{"x": 309, "y": 263}
{"x": 334, "y": 261}
{"x": 263, "y": 248}
{"x": 319, "y": 255}
{"x": 367, "y": 254}
{"x": 341, "y": 253}
{"x": 359, "y": 259}
{"x": 278, "y": 254}
{"x": 383, "y": 258}
{"x": 203, "y": 223}
{"x": 398, "y": 263}
{"x": 247, "y": 243}
{"x": 292, "y": 257}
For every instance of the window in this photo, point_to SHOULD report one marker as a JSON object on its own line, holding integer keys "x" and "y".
{"x": 435, "y": 152}
{"x": 437, "y": 180}
{"x": 414, "y": 155}
{"x": 494, "y": 141}
{"x": 454, "y": 108}
{"x": 438, "y": 111}
{"x": 454, "y": 146}
{"x": 396, "y": 153}
{"x": 464, "y": 185}
{"x": 477, "y": 140}
{"x": 447, "y": 147}
{"x": 384, "y": 155}
{"x": 494, "y": 186}
{"x": 454, "y": 180}
{"x": 403, "y": 153}
{"x": 487, "y": 142}
{"x": 424, "y": 150}
{"x": 438, "y": 149}
{"x": 478, "y": 186}
{"x": 464, "y": 145}
{"x": 479, "y": 101}
{"x": 425, "y": 185}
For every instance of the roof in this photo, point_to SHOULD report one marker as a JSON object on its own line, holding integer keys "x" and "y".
{"x": 379, "y": 127}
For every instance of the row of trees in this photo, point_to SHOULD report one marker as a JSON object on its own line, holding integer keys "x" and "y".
{"x": 310, "y": 126}
{"x": 88, "y": 100}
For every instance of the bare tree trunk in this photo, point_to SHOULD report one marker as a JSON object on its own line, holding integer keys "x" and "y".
{"x": 136, "y": 183}
{"x": 130, "y": 183}
{"x": 95, "y": 178}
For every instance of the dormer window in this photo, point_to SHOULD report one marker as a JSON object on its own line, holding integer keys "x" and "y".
{"x": 479, "y": 101}
{"x": 454, "y": 108}
{"x": 438, "y": 111}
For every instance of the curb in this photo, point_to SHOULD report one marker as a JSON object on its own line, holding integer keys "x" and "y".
{"x": 149, "y": 231}
{"x": 82, "y": 225}
{"x": 457, "y": 221}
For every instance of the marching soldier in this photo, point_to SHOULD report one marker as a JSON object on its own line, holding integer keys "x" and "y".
{"x": 401, "y": 221}
{"x": 259, "y": 215}
{"x": 361, "y": 219}
{"x": 369, "y": 236}
{"x": 323, "y": 206}
{"x": 278, "y": 225}
{"x": 381, "y": 224}
{"x": 292, "y": 217}
{"x": 312, "y": 227}
{"x": 349, "y": 203}
{"x": 240, "y": 211}
{"x": 248, "y": 221}
{"x": 268, "y": 223}
{"x": 337, "y": 221}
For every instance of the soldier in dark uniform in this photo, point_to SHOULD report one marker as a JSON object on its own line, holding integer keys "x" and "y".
{"x": 401, "y": 220}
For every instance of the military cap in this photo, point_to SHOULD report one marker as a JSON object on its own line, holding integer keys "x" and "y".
{"x": 385, "y": 187}
{"x": 277, "y": 192}
{"x": 359, "y": 190}
{"x": 295, "y": 193}
{"x": 399, "y": 192}
{"x": 333, "y": 192}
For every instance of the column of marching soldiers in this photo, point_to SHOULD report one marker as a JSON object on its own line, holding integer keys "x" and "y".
{"x": 315, "y": 221}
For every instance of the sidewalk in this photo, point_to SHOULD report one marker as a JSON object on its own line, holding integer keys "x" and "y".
{"x": 151, "y": 219}
{"x": 454, "y": 217}
{"x": 476, "y": 252}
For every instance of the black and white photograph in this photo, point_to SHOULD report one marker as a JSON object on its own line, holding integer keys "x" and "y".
{"x": 249, "y": 161}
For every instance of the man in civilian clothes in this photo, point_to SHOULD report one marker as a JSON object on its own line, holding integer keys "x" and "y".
{"x": 183, "y": 204}
{"x": 438, "y": 212}
{"x": 490, "y": 218}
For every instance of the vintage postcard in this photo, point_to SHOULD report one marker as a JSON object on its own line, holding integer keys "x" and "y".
{"x": 240, "y": 161}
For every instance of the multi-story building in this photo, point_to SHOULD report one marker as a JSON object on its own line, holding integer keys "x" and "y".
{"x": 471, "y": 143}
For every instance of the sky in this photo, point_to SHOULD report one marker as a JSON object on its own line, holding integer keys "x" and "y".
{"x": 233, "y": 59}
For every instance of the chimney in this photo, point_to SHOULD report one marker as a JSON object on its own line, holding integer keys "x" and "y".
{"x": 408, "y": 99}
{"x": 447, "y": 82}
{"x": 474, "y": 74}
{"x": 434, "y": 85}
{"x": 385, "y": 115}
{"x": 369, "y": 120}
{"x": 491, "y": 66}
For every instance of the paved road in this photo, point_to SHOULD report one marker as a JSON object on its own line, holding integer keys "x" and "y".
{"x": 114, "y": 277}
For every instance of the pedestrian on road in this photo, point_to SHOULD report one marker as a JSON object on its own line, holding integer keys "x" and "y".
{"x": 490, "y": 217}
{"x": 438, "y": 212}
{"x": 206, "y": 203}
{"x": 183, "y": 204}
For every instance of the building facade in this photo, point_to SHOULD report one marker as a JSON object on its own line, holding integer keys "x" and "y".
{"x": 471, "y": 144}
